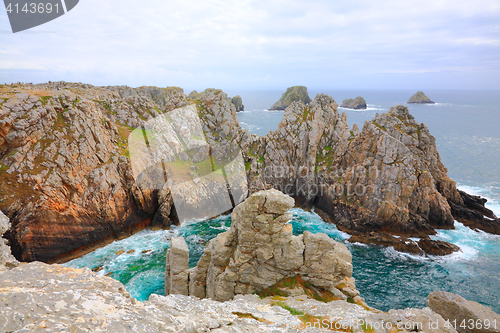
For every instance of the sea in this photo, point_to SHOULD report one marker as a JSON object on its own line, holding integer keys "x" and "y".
{"x": 466, "y": 127}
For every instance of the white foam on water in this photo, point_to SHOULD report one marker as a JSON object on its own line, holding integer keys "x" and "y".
{"x": 391, "y": 253}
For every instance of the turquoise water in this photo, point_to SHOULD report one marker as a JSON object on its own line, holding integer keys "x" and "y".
{"x": 465, "y": 125}
{"x": 386, "y": 278}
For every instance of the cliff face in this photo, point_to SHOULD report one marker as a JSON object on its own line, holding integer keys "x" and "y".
{"x": 358, "y": 103}
{"x": 292, "y": 94}
{"x": 66, "y": 178}
{"x": 420, "y": 98}
{"x": 387, "y": 178}
{"x": 67, "y": 181}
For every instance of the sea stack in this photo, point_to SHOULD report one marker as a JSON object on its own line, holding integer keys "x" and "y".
{"x": 292, "y": 94}
{"x": 238, "y": 103}
{"x": 358, "y": 103}
{"x": 420, "y": 98}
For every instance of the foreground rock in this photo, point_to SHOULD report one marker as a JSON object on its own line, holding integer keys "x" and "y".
{"x": 259, "y": 250}
{"x": 52, "y": 298}
{"x": 420, "y": 98}
{"x": 358, "y": 103}
{"x": 466, "y": 316}
{"x": 292, "y": 94}
{"x": 7, "y": 260}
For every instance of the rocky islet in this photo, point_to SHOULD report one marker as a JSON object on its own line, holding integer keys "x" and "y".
{"x": 357, "y": 103}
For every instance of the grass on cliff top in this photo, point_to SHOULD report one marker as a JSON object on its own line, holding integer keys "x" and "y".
{"x": 250, "y": 316}
{"x": 297, "y": 282}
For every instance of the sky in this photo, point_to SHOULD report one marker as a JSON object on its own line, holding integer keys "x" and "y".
{"x": 254, "y": 45}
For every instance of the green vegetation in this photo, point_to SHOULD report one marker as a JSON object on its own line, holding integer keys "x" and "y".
{"x": 297, "y": 282}
{"x": 249, "y": 316}
{"x": 44, "y": 99}
{"x": 292, "y": 94}
{"x": 380, "y": 127}
{"x": 293, "y": 311}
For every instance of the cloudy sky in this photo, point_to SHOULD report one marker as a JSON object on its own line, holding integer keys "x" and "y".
{"x": 244, "y": 44}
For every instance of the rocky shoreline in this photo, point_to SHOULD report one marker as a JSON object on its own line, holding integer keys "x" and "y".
{"x": 68, "y": 184}
{"x": 319, "y": 297}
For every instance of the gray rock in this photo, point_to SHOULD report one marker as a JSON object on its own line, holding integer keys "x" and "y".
{"x": 260, "y": 250}
{"x": 461, "y": 312}
{"x": 176, "y": 272}
{"x": 7, "y": 260}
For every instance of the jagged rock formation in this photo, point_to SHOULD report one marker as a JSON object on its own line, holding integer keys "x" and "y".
{"x": 7, "y": 260}
{"x": 466, "y": 316}
{"x": 65, "y": 171}
{"x": 176, "y": 271}
{"x": 292, "y": 94}
{"x": 420, "y": 98}
{"x": 259, "y": 250}
{"x": 238, "y": 103}
{"x": 358, "y": 103}
{"x": 386, "y": 178}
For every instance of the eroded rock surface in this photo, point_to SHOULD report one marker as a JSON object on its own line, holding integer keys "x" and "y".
{"x": 176, "y": 272}
{"x": 37, "y": 297}
{"x": 388, "y": 177}
{"x": 67, "y": 182}
{"x": 260, "y": 250}
{"x": 7, "y": 260}
{"x": 466, "y": 316}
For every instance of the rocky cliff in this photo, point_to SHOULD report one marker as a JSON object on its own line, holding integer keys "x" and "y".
{"x": 386, "y": 178}
{"x": 67, "y": 183}
{"x": 358, "y": 103}
{"x": 66, "y": 176}
{"x": 292, "y": 94}
{"x": 420, "y": 98}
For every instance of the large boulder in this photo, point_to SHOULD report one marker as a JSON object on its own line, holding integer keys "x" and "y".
{"x": 466, "y": 316}
{"x": 260, "y": 250}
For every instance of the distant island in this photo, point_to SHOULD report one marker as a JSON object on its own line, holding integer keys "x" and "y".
{"x": 292, "y": 94}
{"x": 358, "y": 103}
{"x": 238, "y": 103}
{"x": 420, "y": 98}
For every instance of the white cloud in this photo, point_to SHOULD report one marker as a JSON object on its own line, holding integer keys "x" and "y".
{"x": 240, "y": 43}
